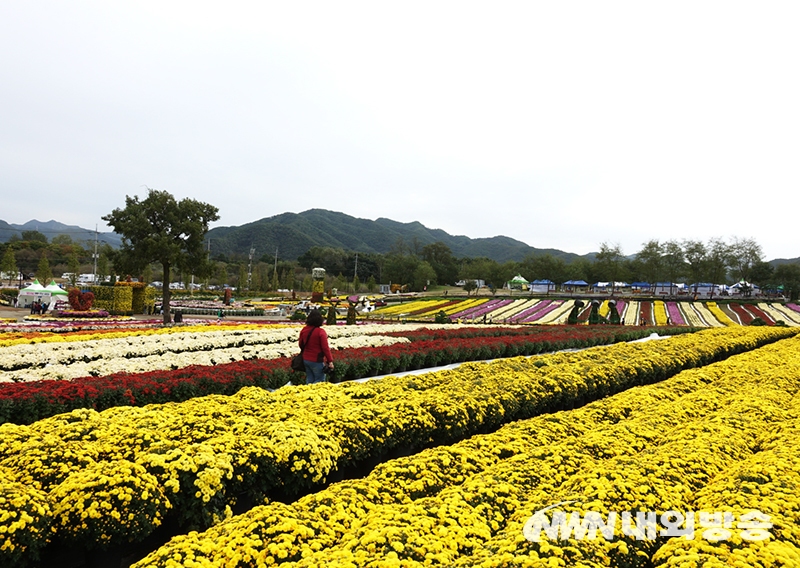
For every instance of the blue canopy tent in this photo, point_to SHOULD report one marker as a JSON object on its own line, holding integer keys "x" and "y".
{"x": 542, "y": 286}
{"x": 575, "y": 286}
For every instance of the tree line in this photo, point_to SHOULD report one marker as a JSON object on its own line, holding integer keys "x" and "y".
{"x": 165, "y": 243}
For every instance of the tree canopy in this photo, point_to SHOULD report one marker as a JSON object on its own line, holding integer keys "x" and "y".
{"x": 164, "y": 230}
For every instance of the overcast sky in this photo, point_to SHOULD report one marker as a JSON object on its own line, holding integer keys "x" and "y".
{"x": 561, "y": 124}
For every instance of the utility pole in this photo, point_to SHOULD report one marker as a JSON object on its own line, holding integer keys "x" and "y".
{"x": 355, "y": 275}
{"x": 250, "y": 267}
{"x": 94, "y": 256}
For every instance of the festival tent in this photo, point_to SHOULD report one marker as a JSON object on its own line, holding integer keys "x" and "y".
{"x": 706, "y": 289}
{"x": 609, "y": 286}
{"x": 47, "y": 295}
{"x": 667, "y": 288}
{"x": 57, "y": 293}
{"x": 517, "y": 283}
{"x": 29, "y": 295}
{"x": 575, "y": 285}
{"x": 542, "y": 286}
{"x": 744, "y": 288}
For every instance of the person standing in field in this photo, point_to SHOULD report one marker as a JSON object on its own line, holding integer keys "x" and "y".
{"x": 314, "y": 345}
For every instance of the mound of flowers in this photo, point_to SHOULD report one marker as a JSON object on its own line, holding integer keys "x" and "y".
{"x": 205, "y": 454}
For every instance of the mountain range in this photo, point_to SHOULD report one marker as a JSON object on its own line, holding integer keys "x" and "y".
{"x": 52, "y": 229}
{"x": 292, "y": 234}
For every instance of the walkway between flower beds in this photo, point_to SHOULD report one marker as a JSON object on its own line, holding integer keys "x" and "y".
{"x": 651, "y": 337}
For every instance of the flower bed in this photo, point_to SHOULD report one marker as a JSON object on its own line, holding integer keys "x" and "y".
{"x": 205, "y": 452}
{"x": 27, "y": 402}
{"x": 718, "y": 438}
{"x": 759, "y": 313}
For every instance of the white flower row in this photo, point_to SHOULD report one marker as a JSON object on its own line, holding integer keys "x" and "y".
{"x": 109, "y": 363}
{"x": 26, "y": 356}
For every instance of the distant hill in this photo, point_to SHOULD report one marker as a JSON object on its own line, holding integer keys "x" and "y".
{"x": 52, "y": 229}
{"x": 294, "y": 233}
{"x": 778, "y": 261}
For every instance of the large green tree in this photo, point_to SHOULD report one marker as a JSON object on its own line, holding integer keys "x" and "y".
{"x": 651, "y": 261}
{"x": 9, "y": 264}
{"x": 441, "y": 259}
{"x": 43, "y": 272}
{"x": 788, "y": 276}
{"x": 164, "y": 230}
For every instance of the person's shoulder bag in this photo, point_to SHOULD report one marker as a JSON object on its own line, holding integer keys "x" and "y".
{"x": 297, "y": 363}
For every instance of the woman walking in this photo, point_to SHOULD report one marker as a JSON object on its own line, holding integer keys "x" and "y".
{"x": 314, "y": 345}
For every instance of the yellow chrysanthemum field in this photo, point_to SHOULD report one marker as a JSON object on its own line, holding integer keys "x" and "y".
{"x": 675, "y": 452}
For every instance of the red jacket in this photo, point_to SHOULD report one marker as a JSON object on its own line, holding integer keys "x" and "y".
{"x": 317, "y": 349}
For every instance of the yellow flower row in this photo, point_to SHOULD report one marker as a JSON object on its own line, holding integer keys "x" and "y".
{"x": 61, "y": 338}
{"x": 467, "y": 504}
{"x": 660, "y": 312}
{"x": 631, "y": 315}
{"x": 719, "y": 314}
{"x": 767, "y": 482}
{"x": 408, "y": 307}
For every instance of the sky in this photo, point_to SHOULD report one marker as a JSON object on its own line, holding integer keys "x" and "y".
{"x": 561, "y": 124}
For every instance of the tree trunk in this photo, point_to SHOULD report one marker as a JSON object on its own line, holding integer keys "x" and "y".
{"x": 166, "y": 292}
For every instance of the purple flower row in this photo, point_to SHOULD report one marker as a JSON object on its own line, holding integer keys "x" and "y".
{"x": 674, "y": 313}
{"x": 483, "y": 308}
{"x": 530, "y": 313}
{"x": 544, "y": 311}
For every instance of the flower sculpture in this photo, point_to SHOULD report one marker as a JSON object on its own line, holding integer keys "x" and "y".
{"x": 80, "y": 301}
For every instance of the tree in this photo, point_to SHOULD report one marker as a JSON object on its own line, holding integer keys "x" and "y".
{"x": 788, "y": 276}
{"x": 761, "y": 273}
{"x": 744, "y": 254}
{"x": 441, "y": 259}
{"x": 74, "y": 269}
{"x": 147, "y": 273}
{"x": 717, "y": 261}
{"x": 608, "y": 262}
{"x": 674, "y": 263}
{"x": 164, "y": 230}
{"x": 695, "y": 254}
{"x": 62, "y": 240}
{"x": 544, "y": 267}
{"x": 423, "y": 275}
{"x": 34, "y": 237}
{"x": 43, "y": 272}
{"x": 651, "y": 259}
{"x": 9, "y": 264}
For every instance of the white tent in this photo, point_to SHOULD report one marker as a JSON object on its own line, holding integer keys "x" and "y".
{"x": 47, "y": 295}
{"x": 57, "y": 293}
